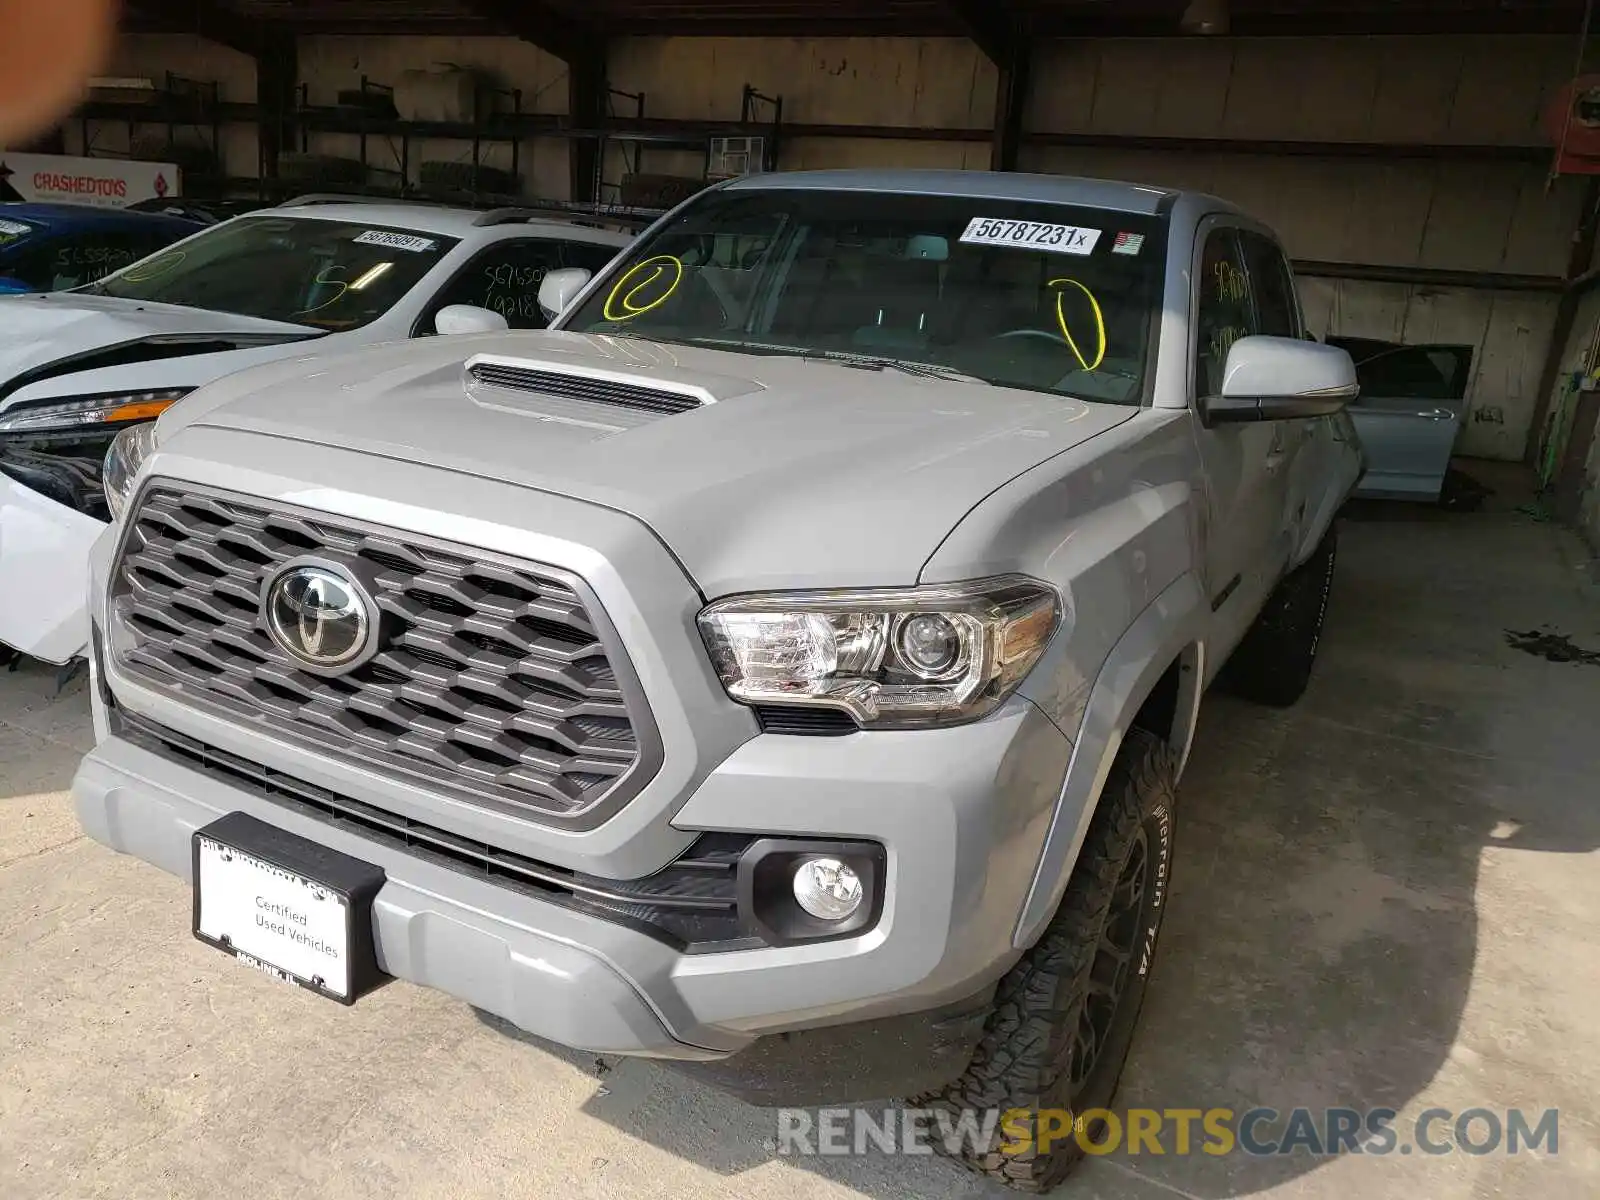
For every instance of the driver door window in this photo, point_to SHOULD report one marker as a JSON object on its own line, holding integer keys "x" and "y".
{"x": 1223, "y": 314}
{"x": 1248, "y": 500}
{"x": 1277, "y": 306}
{"x": 505, "y": 279}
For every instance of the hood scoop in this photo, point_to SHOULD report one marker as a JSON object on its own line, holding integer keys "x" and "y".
{"x": 615, "y": 389}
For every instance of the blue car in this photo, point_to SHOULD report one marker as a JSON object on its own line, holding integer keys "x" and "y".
{"x": 48, "y": 247}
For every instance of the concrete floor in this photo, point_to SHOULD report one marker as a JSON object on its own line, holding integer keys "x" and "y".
{"x": 1388, "y": 896}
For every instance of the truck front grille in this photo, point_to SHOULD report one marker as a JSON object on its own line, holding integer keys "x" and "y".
{"x": 495, "y": 679}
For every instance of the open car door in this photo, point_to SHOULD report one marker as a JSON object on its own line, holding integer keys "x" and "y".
{"x": 1410, "y": 412}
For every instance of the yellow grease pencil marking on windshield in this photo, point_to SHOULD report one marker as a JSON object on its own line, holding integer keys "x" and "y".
{"x": 1099, "y": 324}
{"x": 620, "y": 305}
{"x": 1230, "y": 283}
{"x": 160, "y": 265}
{"x": 321, "y": 281}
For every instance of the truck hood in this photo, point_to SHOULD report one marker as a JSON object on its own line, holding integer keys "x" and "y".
{"x": 790, "y": 473}
{"x": 48, "y": 337}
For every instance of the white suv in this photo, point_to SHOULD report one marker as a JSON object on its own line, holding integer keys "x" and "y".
{"x": 317, "y": 275}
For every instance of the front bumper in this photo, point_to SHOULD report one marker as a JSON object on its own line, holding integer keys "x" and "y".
{"x": 960, "y": 812}
{"x": 44, "y": 574}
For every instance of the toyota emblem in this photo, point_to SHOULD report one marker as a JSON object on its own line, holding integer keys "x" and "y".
{"x": 320, "y": 617}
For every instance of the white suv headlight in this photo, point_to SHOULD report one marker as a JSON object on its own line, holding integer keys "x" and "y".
{"x": 891, "y": 658}
{"x": 128, "y": 451}
{"x": 91, "y": 413}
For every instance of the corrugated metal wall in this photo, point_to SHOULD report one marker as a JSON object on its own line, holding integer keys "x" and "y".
{"x": 1436, "y": 89}
{"x": 151, "y": 56}
{"x": 1442, "y": 214}
{"x": 1574, "y": 358}
{"x": 944, "y": 83}
{"x": 941, "y": 82}
{"x": 328, "y": 64}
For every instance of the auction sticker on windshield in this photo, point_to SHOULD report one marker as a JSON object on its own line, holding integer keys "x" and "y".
{"x": 395, "y": 241}
{"x": 1031, "y": 235}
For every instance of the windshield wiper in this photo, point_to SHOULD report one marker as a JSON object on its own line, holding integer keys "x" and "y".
{"x": 910, "y": 366}
{"x": 846, "y": 358}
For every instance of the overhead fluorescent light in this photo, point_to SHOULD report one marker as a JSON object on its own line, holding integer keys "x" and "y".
{"x": 370, "y": 274}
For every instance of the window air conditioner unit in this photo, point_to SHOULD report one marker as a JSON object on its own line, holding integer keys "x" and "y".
{"x": 734, "y": 156}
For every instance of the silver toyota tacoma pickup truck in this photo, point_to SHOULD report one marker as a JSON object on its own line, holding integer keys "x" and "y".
{"x": 783, "y": 665}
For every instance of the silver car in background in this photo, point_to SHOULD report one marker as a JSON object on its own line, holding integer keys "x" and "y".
{"x": 1411, "y": 411}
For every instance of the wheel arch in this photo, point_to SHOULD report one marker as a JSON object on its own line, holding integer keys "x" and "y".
{"x": 1171, "y": 709}
{"x": 1152, "y": 679}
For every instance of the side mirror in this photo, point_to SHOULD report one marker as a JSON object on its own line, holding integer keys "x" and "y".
{"x": 468, "y": 318}
{"x": 557, "y": 289}
{"x": 1281, "y": 379}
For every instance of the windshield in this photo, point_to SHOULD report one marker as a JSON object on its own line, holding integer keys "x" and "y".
{"x": 1020, "y": 294}
{"x": 333, "y": 275}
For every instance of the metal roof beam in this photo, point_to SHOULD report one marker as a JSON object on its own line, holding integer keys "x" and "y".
{"x": 1012, "y": 85}
{"x": 988, "y": 25}
{"x": 207, "y": 18}
{"x": 1320, "y": 20}
{"x": 538, "y": 23}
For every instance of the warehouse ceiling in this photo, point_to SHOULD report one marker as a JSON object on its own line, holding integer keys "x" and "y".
{"x": 236, "y": 21}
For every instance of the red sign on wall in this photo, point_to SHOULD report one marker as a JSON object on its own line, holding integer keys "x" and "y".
{"x": 1572, "y": 122}
{"x": 103, "y": 182}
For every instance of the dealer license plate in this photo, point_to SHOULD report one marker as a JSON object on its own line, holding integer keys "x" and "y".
{"x": 278, "y": 902}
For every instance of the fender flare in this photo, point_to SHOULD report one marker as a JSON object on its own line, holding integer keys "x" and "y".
{"x": 1352, "y": 469}
{"x": 1316, "y": 528}
{"x": 1171, "y": 627}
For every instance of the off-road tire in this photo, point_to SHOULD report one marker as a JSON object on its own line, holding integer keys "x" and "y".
{"x": 1272, "y": 665}
{"x": 1025, "y": 1057}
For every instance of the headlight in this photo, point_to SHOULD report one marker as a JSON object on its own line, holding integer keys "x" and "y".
{"x": 91, "y": 412}
{"x": 897, "y": 658}
{"x": 128, "y": 451}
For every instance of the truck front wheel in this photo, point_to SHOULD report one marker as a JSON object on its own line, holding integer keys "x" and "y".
{"x": 1064, "y": 1016}
{"x": 1272, "y": 665}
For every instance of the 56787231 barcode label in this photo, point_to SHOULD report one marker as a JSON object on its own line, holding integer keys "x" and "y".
{"x": 1031, "y": 235}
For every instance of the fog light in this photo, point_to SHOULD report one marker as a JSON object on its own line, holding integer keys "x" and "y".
{"x": 827, "y": 889}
